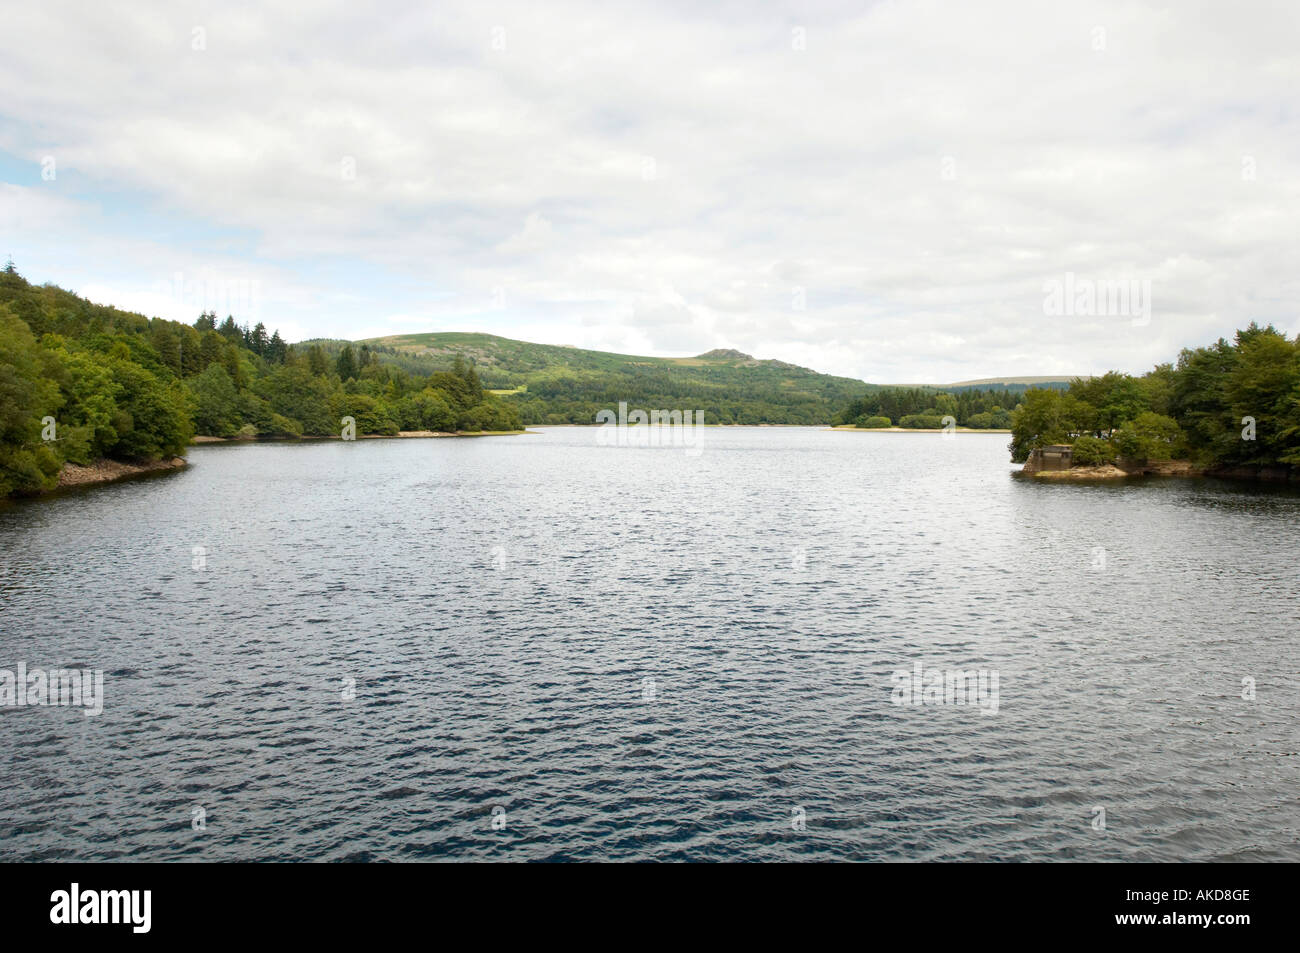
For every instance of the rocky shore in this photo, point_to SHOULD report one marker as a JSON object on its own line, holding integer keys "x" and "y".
{"x": 1167, "y": 468}
{"x": 106, "y": 471}
{"x": 1105, "y": 472}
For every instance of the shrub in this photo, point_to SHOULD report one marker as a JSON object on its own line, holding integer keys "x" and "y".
{"x": 283, "y": 427}
{"x": 1161, "y": 436}
{"x": 922, "y": 422}
{"x": 874, "y": 422}
{"x": 1150, "y": 436}
{"x": 370, "y": 415}
{"x": 1092, "y": 452}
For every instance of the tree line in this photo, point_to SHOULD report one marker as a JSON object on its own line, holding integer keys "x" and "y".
{"x": 1233, "y": 403}
{"x": 81, "y": 381}
{"x": 925, "y": 408}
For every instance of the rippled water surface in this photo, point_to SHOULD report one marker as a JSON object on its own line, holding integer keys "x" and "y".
{"x": 640, "y": 653}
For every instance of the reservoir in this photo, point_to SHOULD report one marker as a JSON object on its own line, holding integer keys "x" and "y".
{"x": 542, "y": 647}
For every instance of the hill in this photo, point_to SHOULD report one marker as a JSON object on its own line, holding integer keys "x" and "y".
{"x": 552, "y": 384}
{"x": 1052, "y": 382}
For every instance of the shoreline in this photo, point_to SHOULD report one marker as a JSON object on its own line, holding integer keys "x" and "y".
{"x": 203, "y": 439}
{"x": 847, "y": 428}
{"x": 104, "y": 471}
{"x": 74, "y": 476}
{"x": 630, "y": 425}
{"x": 110, "y": 471}
{"x": 1166, "y": 468}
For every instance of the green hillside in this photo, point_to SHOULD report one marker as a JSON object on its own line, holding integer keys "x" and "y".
{"x": 556, "y": 384}
{"x": 81, "y": 381}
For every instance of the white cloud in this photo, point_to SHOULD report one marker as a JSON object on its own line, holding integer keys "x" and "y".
{"x": 885, "y": 203}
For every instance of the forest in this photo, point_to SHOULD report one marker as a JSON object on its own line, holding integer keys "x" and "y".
{"x": 81, "y": 381}
{"x": 924, "y": 408}
{"x": 1232, "y": 404}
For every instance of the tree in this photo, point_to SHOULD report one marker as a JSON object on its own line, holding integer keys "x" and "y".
{"x": 215, "y": 402}
{"x": 1199, "y": 403}
{"x": 316, "y": 361}
{"x": 1149, "y": 436}
{"x": 258, "y": 342}
{"x": 276, "y": 349}
{"x": 153, "y": 421}
{"x": 230, "y": 330}
{"x": 90, "y": 394}
{"x": 292, "y": 391}
{"x": 27, "y": 394}
{"x": 429, "y": 410}
{"x": 1090, "y": 451}
{"x": 474, "y": 385}
{"x": 1262, "y": 384}
{"x": 346, "y": 364}
{"x": 370, "y": 415}
{"x": 1037, "y": 422}
{"x": 1114, "y": 398}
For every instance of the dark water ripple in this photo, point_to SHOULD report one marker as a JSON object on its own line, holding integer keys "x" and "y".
{"x": 500, "y": 603}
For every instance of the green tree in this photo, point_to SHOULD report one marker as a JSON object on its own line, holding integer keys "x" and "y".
{"x": 370, "y": 414}
{"x": 429, "y": 410}
{"x": 316, "y": 361}
{"x": 876, "y": 422}
{"x": 1046, "y": 417}
{"x": 292, "y": 391}
{"x": 27, "y": 394}
{"x": 346, "y": 364}
{"x": 215, "y": 402}
{"x": 153, "y": 421}
{"x": 1262, "y": 385}
{"x": 1090, "y": 451}
{"x": 90, "y": 394}
{"x": 1149, "y": 436}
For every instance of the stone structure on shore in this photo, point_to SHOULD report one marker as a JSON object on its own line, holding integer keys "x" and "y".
{"x": 1049, "y": 459}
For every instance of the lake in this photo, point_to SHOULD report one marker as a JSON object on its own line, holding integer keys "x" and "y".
{"x": 540, "y": 648}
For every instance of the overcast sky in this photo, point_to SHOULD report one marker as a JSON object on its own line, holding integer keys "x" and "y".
{"x": 881, "y": 190}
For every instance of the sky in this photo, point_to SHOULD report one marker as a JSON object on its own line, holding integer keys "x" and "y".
{"x": 899, "y": 192}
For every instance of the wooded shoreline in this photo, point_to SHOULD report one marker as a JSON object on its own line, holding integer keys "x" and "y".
{"x": 105, "y": 471}
{"x": 400, "y": 435}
